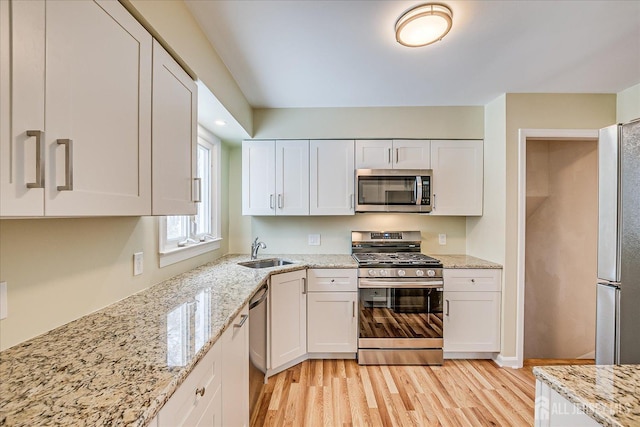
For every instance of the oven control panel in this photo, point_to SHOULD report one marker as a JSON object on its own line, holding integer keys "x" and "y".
{"x": 426, "y": 273}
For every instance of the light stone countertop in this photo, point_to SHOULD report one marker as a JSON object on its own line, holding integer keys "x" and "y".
{"x": 119, "y": 366}
{"x": 608, "y": 394}
{"x": 464, "y": 261}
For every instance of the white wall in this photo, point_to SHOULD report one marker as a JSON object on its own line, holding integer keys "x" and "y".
{"x": 58, "y": 270}
{"x": 628, "y": 104}
{"x": 486, "y": 234}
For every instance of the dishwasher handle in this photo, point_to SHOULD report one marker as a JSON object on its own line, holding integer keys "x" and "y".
{"x": 263, "y": 297}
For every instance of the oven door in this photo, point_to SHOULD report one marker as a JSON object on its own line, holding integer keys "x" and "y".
{"x": 400, "y": 322}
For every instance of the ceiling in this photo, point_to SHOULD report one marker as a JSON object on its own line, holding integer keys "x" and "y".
{"x": 343, "y": 53}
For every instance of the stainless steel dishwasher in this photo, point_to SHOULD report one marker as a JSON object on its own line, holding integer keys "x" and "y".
{"x": 257, "y": 345}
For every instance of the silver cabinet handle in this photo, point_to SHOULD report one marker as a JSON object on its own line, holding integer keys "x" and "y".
{"x": 243, "y": 319}
{"x": 397, "y": 155}
{"x": 389, "y": 156}
{"x": 68, "y": 164}
{"x": 270, "y": 201}
{"x": 352, "y": 200}
{"x": 198, "y": 197}
{"x": 447, "y": 313}
{"x": 434, "y": 202}
{"x": 280, "y": 203}
{"x": 304, "y": 286}
{"x": 354, "y": 308}
{"x": 39, "y": 159}
{"x": 200, "y": 391}
{"x": 473, "y": 280}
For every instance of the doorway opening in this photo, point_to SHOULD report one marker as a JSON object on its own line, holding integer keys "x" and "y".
{"x": 557, "y": 244}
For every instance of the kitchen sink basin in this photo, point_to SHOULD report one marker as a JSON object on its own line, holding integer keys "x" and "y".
{"x": 265, "y": 263}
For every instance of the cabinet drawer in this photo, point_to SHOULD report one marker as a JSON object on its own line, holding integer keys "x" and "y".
{"x": 185, "y": 405}
{"x": 475, "y": 280}
{"x": 332, "y": 280}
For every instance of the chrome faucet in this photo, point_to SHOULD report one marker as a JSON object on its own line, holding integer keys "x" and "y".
{"x": 255, "y": 246}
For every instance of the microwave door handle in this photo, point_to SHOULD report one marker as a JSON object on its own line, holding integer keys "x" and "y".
{"x": 418, "y": 190}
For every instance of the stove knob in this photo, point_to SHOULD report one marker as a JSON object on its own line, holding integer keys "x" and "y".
{"x": 401, "y": 273}
{"x": 384, "y": 272}
{"x": 372, "y": 272}
{"x": 431, "y": 273}
{"x": 419, "y": 273}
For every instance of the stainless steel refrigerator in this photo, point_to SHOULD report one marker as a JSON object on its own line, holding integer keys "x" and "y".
{"x": 618, "y": 288}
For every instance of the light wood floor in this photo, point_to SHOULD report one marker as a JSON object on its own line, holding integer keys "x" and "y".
{"x": 342, "y": 393}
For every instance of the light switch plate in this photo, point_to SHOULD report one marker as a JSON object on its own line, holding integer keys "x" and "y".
{"x": 314, "y": 240}
{"x": 442, "y": 239}
{"x": 3, "y": 300}
{"x": 138, "y": 263}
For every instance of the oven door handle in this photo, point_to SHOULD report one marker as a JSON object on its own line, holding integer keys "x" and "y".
{"x": 374, "y": 283}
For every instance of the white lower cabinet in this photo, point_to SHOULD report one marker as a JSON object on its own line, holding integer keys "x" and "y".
{"x": 235, "y": 372}
{"x": 288, "y": 317}
{"x": 472, "y": 300}
{"x": 332, "y": 318}
{"x": 197, "y": 402}
{"x": 553, "y": 410}
{"x": 216, "y": 392}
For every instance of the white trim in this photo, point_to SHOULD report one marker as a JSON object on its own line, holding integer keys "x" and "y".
{"x": 523, "y": 135}
{"x": 507, "y": 362}
{"x": 180, "y": 254}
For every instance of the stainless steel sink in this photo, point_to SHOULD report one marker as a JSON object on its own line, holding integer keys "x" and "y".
{"x": 265, "y": 263}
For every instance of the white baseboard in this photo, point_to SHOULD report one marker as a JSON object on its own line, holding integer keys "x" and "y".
{"x": 507, "y": 362}
{"x": 332, "y": 356}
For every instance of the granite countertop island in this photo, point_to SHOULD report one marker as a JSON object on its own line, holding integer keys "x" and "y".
{"x": 119, "y": 365}
{"x": 608, "y": 394}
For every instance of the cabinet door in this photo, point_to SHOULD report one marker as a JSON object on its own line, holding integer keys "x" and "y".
{"x": 235, "y": 372}
{"x": 331, "y": 176}
{"x": 471, "y": 321}
{"x": 457, "y": 177}
{"x": 332, "y": 322}
{"x": 288, "y": 326}
{"x": 22, "y": 59}
{"x": 411, "y": 154}
{"x": 292, "y": 177}
{"x": 258, "y": 178}
{"x": 374, "y": 153}
{"x": 175, "y": 120}
{"x": 197, "y": 402}
{"x": 98, "y": 92}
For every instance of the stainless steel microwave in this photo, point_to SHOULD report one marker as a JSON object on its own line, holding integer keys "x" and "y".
{"x": 394, "y": 190}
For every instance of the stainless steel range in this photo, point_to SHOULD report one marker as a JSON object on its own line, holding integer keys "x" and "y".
{"x": 399, "y": 299}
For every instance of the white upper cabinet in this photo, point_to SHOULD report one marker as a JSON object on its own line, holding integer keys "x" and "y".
{"x": 411, "y": 154}
{"x": 175, "y": 120}
{"x": 258, "y": 177}
{"x": 292, "y": 178}
{"x": 392, "y": 154}
{"x": 98, "y": 91}
{"x": 457, "y": 177}
{"x": 275, "y": 177}
{"x": 93, "y": 86}
{"x": 22, "y": 149}
{"x": 331, "y": 176}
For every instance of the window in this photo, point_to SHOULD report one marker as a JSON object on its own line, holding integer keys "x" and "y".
{"x": 186, "y": 236}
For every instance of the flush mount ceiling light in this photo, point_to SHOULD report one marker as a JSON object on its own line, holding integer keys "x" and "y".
{"x": 423, "y": 25}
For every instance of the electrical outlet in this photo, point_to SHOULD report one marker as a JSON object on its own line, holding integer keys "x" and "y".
{"x": 138, "y": 263}
{"x": 442, "y": 239}
{"x": 314, "y": 240}
{"x": 3, "y": 300}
